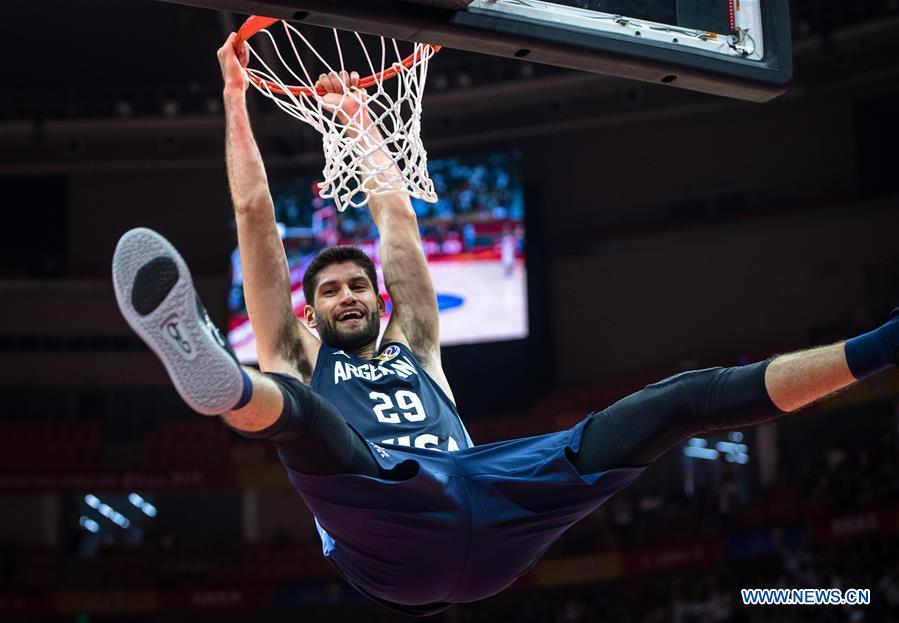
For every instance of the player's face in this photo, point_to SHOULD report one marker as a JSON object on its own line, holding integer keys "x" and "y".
{"x": 347, "y": 311}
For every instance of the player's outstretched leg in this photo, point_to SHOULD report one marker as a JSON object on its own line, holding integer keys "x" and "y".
{"x": 641, "y": 427}
{"x": 156, "y": 295}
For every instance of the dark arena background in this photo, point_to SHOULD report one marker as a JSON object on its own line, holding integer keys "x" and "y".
{"x": 662, "y": 230}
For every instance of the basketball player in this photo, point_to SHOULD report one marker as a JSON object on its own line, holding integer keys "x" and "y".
{"x": 409, "y": 511}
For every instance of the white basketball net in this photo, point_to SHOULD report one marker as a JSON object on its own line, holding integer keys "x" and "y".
{"x": 353, "y": 167}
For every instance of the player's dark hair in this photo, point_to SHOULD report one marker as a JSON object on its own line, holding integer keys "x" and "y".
{"x": 336, "y": 255}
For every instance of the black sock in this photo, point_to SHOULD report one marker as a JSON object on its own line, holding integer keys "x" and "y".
{"x": 875, "y": 350}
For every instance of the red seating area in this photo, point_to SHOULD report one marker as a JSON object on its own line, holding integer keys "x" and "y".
{"x": 44, "y": 568}
{"x": 195, "y": 443}
{"x": 49, "y": 446}
{"x": 200, "y": 443}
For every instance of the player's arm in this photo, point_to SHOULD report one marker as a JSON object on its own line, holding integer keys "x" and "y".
{"x": 283, "y": 343}
{"x": 414, "y": 319}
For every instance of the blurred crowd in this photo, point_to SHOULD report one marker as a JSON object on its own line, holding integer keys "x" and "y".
{"x": 713, "y": 595}
{"x": 854, "y": 478}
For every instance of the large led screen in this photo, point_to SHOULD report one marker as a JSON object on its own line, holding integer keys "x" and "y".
{"x": 473, "y": 237}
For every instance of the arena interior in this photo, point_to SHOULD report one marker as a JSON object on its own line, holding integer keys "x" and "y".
{"x": 661, "y": 230}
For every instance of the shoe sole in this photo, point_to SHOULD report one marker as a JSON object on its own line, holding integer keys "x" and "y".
{"x": 156, "y": 295}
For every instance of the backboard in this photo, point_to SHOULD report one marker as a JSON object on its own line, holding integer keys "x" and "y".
{"x": 733, "y": 48}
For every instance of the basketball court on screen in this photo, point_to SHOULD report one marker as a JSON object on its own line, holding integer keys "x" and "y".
{"x": 480, "y": 300}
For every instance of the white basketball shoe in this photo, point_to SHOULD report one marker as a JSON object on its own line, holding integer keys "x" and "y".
{"x": 156, "y": 295}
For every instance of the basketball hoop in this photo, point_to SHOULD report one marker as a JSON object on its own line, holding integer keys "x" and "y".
{"x": 351, "y": 173}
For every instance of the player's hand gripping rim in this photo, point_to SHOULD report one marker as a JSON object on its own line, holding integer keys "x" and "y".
{"x": 346, "y": 102}
{"x": 233, "y": 61}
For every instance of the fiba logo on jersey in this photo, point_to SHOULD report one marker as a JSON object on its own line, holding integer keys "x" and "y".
{"x": 391, "y": 352}
{"x": 381, "y": 451}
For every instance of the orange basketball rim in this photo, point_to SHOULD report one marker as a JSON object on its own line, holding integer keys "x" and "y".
{"x": 256, "y": 23}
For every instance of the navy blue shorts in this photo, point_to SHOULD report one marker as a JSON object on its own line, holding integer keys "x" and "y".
{"x": 465, "y": 526}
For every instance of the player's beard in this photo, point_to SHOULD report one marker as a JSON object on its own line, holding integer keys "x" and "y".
{"x": 345, "y": 340}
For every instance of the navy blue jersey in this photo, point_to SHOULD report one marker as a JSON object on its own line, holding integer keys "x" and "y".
{"x": 389, "y": 399}
{"x": 468, "y": 523}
